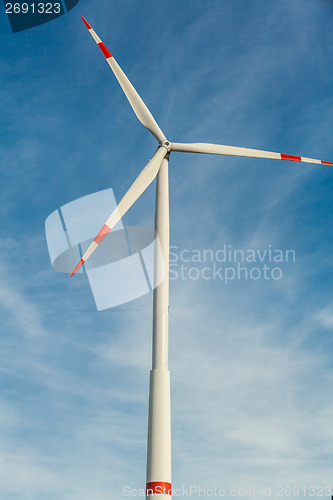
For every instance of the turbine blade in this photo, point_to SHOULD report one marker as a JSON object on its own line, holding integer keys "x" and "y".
{"x": 219, "y": 149}
{"x": 144, "y": 179}
{"x": 139, "y": 107}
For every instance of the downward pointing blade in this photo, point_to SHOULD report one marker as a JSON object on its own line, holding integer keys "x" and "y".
{"x": 139, "y": 107}
{"x": 144, "y": 179}
{"x": 219, "y": 149}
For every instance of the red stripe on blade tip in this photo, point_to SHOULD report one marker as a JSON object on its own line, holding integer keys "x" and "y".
{"x": 326, "y": 163}
{"x": 158, "y": 488}
{"x": 85, "y": 22}
{"x": 77, "y": 267}
{"x": 105, "y": 51}
{"x": 291, "y": 157}
{"x": 101, "y": 235}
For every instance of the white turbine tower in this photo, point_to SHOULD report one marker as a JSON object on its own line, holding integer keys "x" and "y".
{"x": 159, "y": 429}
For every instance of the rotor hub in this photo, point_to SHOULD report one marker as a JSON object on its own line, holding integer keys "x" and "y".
{"x": 166, "y": 144}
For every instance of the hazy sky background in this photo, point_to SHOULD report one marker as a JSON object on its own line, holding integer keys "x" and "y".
{"x": 251, "y": 361}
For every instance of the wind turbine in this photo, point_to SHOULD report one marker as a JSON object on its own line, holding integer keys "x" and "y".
{"x": 159, "y": 429}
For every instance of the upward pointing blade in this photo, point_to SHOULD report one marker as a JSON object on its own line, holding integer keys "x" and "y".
{"x": 139, "y": 107}
{"x": 144, "y": 179}
{"x": 219, "y": 149}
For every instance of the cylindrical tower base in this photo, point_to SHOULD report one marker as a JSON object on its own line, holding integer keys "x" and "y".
{"x": 158, "y": 485}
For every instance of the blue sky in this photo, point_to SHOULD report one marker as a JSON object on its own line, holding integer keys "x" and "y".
{"x": 251, "y": 361}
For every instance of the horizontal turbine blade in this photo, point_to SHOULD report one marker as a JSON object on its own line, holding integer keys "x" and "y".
{"x": 219, "y": 149}
{"x": 144, "y": 179}
{"x": 139, "y": 107}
